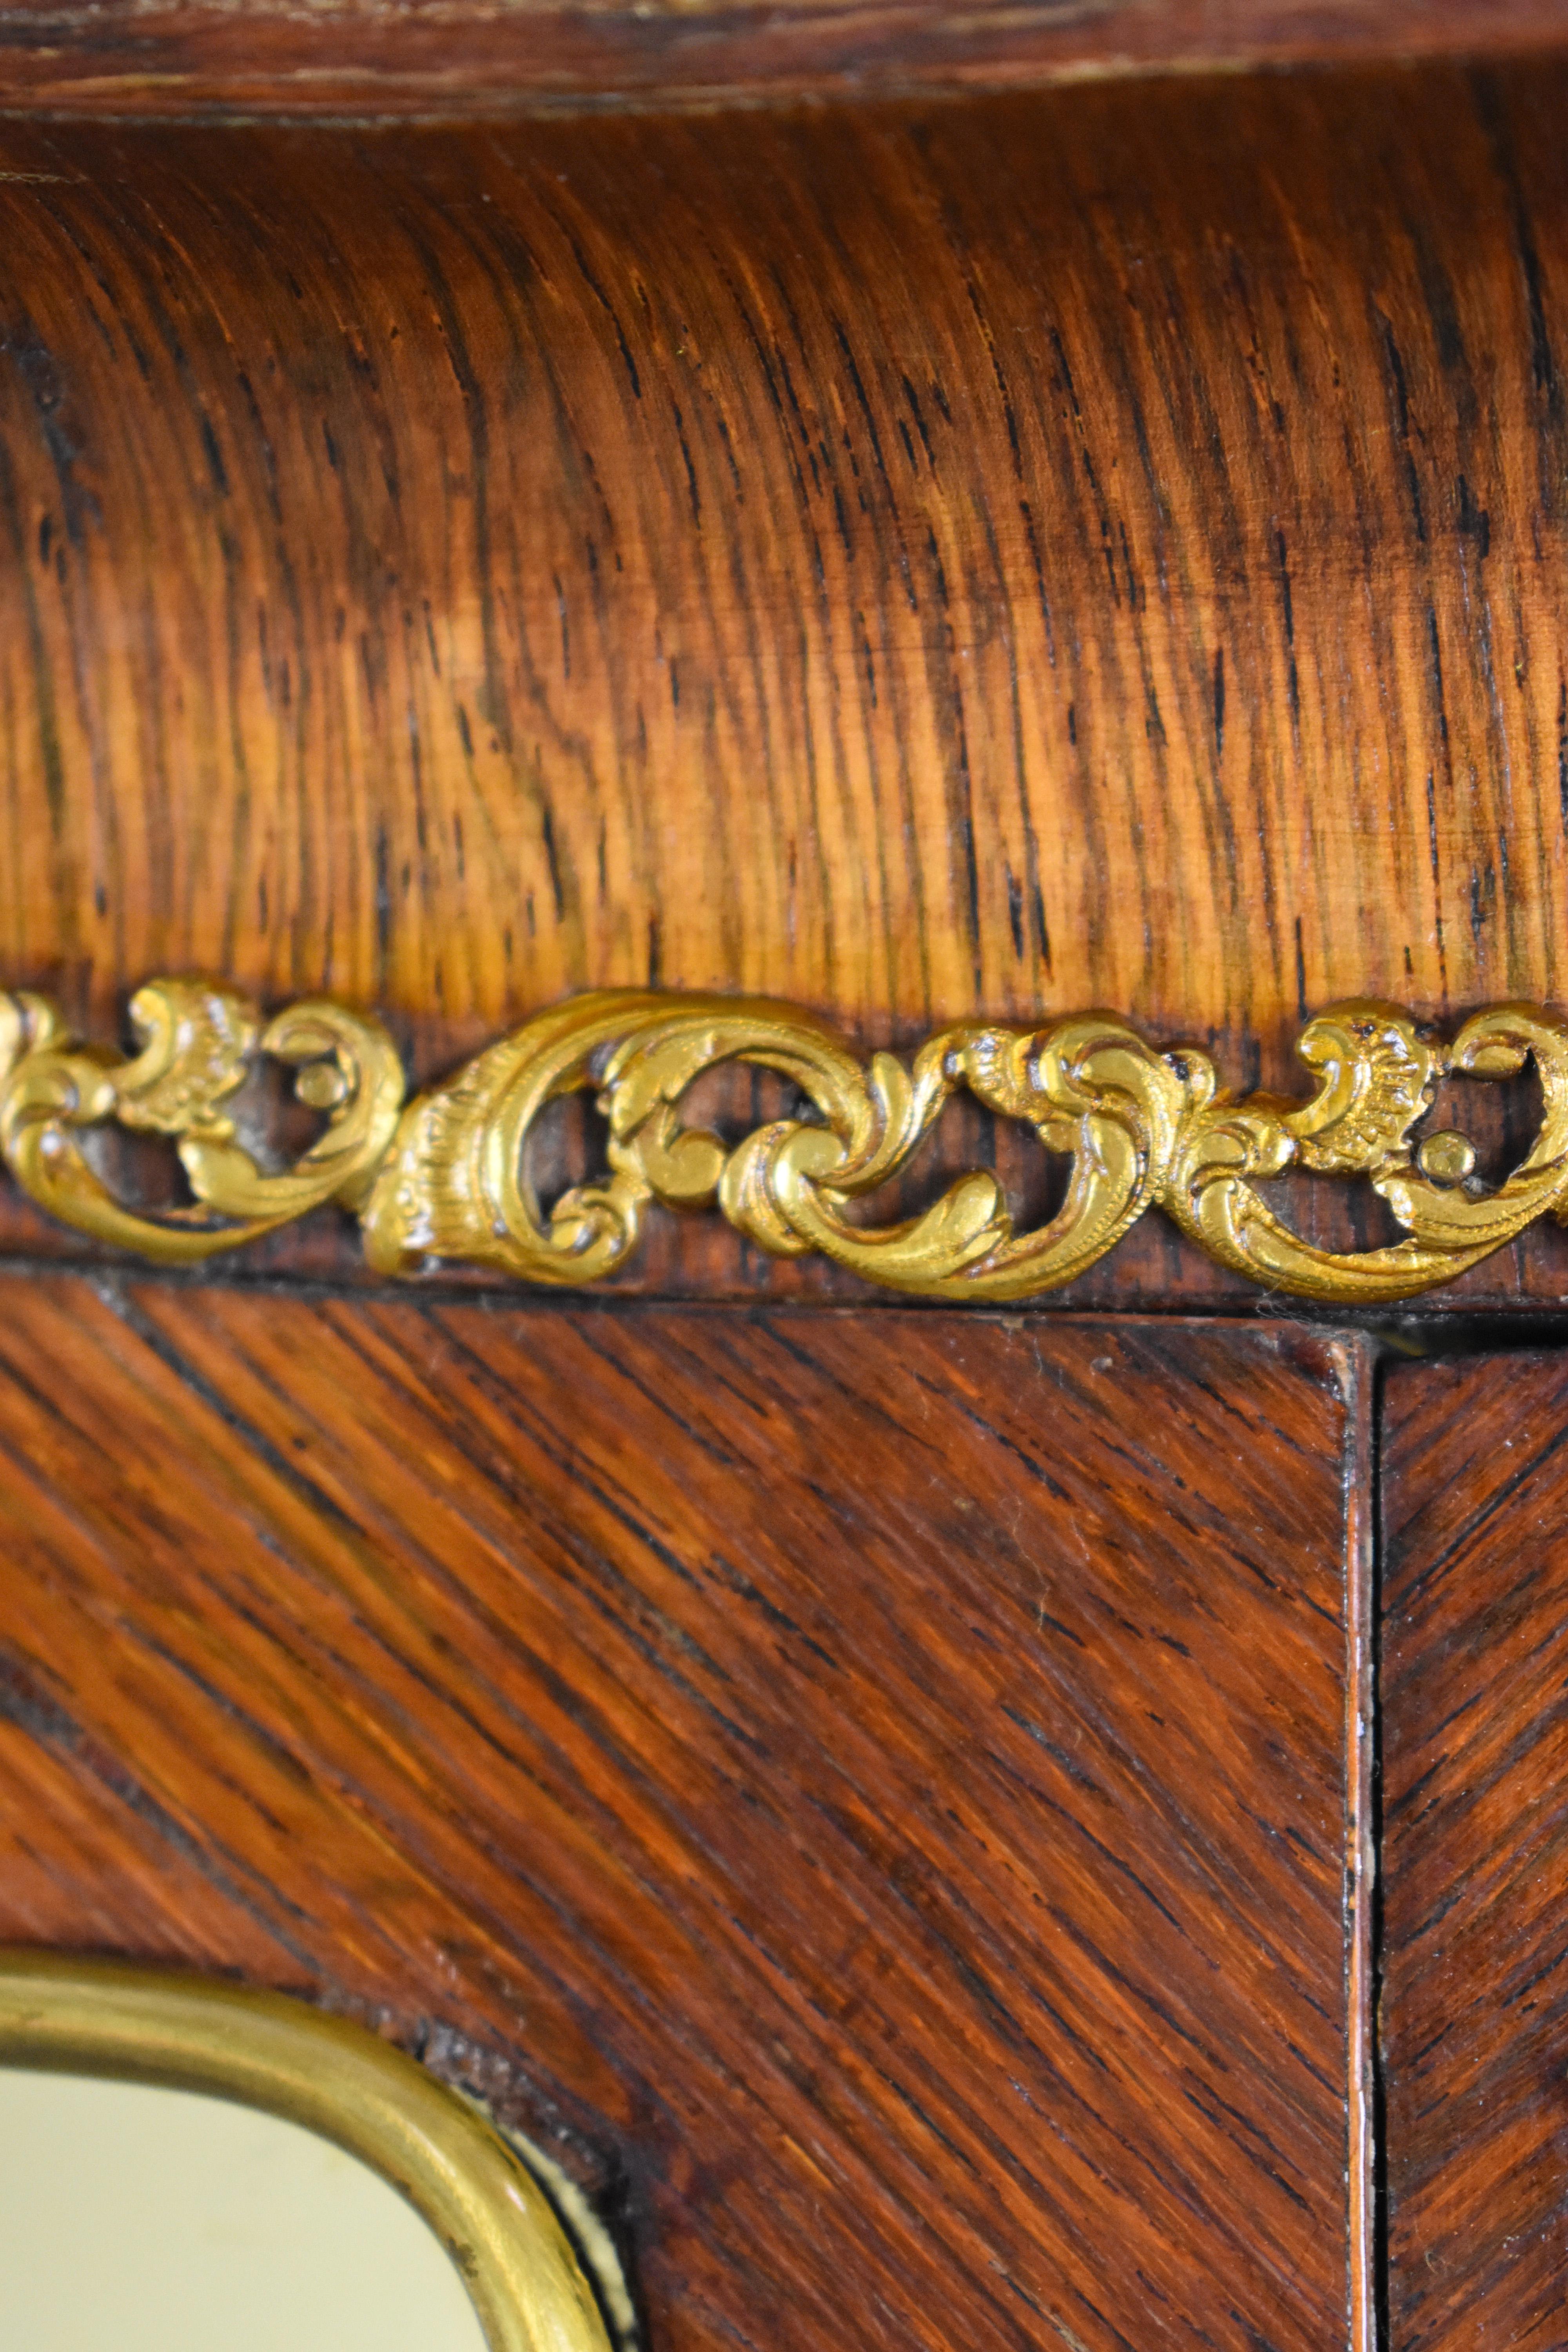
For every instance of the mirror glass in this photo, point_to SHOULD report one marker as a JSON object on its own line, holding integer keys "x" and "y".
{"x": 137, "y": 2219}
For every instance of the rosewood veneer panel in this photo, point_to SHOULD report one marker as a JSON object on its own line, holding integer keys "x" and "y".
{"x": 1475, "y": 2015}
{"x": 867, "y": 1790}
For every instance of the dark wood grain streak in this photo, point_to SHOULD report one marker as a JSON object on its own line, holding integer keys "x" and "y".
{"x": 1476, "y": 1813}
{"x": 444, "y": 56}
{"x": 871, "y": 1791}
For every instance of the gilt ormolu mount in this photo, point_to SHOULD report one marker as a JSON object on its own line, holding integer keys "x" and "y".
{"x": 443, "y": 1178}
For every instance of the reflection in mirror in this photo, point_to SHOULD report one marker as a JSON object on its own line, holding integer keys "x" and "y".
{"x": 159, "y": 2221}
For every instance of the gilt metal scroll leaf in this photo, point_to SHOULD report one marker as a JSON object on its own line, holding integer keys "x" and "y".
{"x": 198, "y": 1041}
{"x": 444, "y": 1178}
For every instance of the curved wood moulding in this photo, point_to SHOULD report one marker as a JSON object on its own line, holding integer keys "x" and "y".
{"x": 92, "y": 2017}
{"x": 462, "y": 56}
{"x": 1103, "y": 547}
{"x": 445, "y": 1179}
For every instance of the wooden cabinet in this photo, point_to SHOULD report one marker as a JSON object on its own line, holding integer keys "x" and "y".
{"x": 1017, "y": 1808}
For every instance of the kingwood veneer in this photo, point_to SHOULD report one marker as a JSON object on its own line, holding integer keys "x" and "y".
{"x": 870, "y": 1795}
{"x": 1476, "y": 1815}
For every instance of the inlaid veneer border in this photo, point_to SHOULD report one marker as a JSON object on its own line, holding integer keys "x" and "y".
{"x": 443, "y": 1178}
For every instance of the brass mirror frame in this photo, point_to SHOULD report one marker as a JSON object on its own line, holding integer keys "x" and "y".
{"x": 268, "y": 2050}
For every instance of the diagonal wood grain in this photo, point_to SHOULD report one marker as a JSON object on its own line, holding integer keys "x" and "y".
{"x": 1475, "y": 2017}
{"x": 868, "y": 1790}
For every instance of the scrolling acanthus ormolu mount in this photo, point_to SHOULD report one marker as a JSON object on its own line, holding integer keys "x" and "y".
{"x": 443, "y": 1178}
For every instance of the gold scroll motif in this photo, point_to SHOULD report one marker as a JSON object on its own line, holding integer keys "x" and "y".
{"x": 199, "y": 1041}
{"x": 445, "y": 1179}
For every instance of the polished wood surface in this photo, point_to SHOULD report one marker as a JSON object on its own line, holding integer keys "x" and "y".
{"x": 1475, "y": 1742}
{"x": 433, "y": 556}
{"x": 868, "y": 1794}
{"x": 140, "y": 57}
{"x": 1097, "y": 548}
